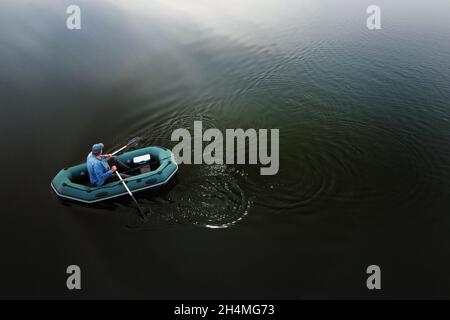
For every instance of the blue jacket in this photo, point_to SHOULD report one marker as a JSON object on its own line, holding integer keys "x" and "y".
{"x": 98, "y": 170}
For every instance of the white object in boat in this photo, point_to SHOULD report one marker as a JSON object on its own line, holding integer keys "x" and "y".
{"x": 141, "y": 159}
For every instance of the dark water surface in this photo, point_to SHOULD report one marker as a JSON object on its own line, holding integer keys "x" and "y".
{"x": 364, "y": 147}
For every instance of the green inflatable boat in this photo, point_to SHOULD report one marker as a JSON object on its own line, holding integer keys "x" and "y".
{"x": 151, "y": 167}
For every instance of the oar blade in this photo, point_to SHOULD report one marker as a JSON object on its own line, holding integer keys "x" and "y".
{"x": 139, "y": 219}
{"x": 134, "y": 142}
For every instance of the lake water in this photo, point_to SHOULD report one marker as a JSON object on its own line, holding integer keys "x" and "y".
{"x": 364, "y": 147}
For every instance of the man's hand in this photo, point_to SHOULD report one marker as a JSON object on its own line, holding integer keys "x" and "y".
{"x": 110, "y": 155}
{"x": 113, "y": 169}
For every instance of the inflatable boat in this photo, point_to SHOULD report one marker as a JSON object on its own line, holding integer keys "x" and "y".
{"x": 151, "y": 167}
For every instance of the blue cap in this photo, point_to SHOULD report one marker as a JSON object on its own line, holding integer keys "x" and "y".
{"x": 96, "y": 148}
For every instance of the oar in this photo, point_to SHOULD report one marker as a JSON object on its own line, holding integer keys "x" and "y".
{"x": 142, "y": 211}
{"x": 133, "y": 142}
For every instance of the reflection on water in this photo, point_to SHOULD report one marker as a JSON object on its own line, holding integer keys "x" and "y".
{"x": 363, "y": 116}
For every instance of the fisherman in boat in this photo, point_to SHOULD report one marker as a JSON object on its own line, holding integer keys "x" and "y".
{"x": 101, "y": 167}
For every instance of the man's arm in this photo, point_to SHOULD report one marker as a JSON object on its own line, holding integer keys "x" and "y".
{"x": 106, "y": 156}
{"x": 98, "y": 170}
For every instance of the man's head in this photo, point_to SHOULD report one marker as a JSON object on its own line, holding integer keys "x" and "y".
{"x": 97, "y": 149}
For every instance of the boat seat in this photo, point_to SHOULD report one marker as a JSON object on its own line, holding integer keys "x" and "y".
{"x": 81, "y": 177}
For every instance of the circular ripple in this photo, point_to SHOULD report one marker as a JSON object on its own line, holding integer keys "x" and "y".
{"x": 205, "y": 195}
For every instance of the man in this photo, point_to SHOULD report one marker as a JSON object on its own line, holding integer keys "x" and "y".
{"x": 98, "y": 166}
